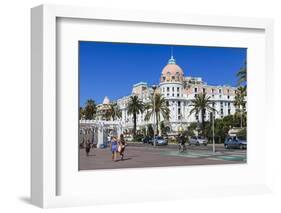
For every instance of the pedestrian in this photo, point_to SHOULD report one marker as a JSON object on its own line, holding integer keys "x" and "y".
{"x": 122, "y": 144}
{"x": 88, "y": 147}
{"x": 182, "y": 141}
{"x": 114, "y": 148}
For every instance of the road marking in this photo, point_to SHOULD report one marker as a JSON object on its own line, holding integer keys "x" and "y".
{"x": 212, "y": 156}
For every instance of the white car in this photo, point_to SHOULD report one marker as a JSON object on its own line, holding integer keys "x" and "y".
{"x": 198, "y": 140}
{"x": 129, "y": 138}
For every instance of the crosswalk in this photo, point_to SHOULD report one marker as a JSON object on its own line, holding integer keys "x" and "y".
{"x": 227, "y": 156}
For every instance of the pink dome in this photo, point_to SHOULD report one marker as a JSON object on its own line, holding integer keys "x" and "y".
{"x": 172, "y": 69}
{"x": 172, "y": 72}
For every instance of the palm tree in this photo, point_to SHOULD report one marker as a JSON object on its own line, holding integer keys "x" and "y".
{"x": 242, "y": 74}
{"x": 161, "y": 109}
{"x": 240, "y": 102}
{"x": 135, "y": 106}
{"x": 90, "y": 109}
{"x": 113, "y": 112}
{"x": 201, "y": 104}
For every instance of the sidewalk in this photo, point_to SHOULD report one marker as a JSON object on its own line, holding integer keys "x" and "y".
{"x": 149, "y": 156}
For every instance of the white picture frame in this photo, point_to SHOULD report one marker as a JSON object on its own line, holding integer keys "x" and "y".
{"x": 44, "y": 149}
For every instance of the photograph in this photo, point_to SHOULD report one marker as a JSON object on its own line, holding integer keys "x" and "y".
{"x": 161, "y": 105}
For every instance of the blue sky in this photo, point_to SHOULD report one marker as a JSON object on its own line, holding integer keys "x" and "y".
{"x": 111, "y": 69}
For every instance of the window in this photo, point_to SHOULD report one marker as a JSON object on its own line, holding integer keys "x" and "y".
{"x": 173, "y": 94}
{"x": 164, "y": 78}
{"x": 179, "y": 103}
{"x": 213, "y": 90}
{"x": 168, "y": 89}
{"x": 213, "y": 104}
{"x": 228, "y": 111}
{"x": 221, "y": 111}
{"x": 179, "y": 110}
{"x": 178, "y": 95}
{"x": 167, "y": 103}
{"x": 173, "y": 89}
{"x": 228, "y": 104}
{"x": 228, "y": 97}
{"x": 204, "y": 90}
{"x": 168, "y": 94}
{"x": 178, "y": 89}
{"x": 173, "y": 77}
{"x": 195, "y": 89}
{"x": 219, "y": 90}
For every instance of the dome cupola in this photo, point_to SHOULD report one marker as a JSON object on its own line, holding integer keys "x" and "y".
{"x": 172, "y": 72}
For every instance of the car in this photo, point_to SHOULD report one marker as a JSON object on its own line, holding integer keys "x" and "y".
{"x": 159, "y": 140}
{"x": 198, "y": 140}
{"x": 235, "y": 142}
{"x": 129, "y": 138}
{"x": 147, "y": 140}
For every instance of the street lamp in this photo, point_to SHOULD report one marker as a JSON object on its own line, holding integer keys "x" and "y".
{"x": 213, "y": 125}
{"x": 154, "y": 87}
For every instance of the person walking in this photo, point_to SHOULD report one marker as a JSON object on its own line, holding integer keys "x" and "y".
{"x": 114, "y": 148}
{"x": 182, "y": 141}
{"x": 88, "y": 147}
{"x": 122, "y": 145}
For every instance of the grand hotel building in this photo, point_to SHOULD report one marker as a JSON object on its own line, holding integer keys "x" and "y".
{"x": 179, "y": 91}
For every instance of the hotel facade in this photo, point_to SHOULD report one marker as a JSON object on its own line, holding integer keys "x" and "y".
{"x": 179, "y": 91}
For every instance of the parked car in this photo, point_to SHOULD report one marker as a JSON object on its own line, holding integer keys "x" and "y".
{"x": 147, "y": 140}
{"x": 235, "y": 142}
{"x": 198, "y": 140}
{"x": 129, "y": 138}
{"x": 159, "y": 140}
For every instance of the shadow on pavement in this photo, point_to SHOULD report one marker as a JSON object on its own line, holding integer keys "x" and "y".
{"x": 123, "y": 159}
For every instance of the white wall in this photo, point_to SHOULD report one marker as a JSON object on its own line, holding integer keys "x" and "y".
{"x": 15, "y": 102}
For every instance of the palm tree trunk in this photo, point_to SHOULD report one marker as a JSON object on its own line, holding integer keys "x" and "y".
{"x": 157, "y": 132}
{"x": 203, "y": 121}
{"x": 135, "y": 124}
{"x": 241, "y": 123}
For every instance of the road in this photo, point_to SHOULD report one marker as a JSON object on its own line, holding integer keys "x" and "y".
{"x": 139, "y": 155}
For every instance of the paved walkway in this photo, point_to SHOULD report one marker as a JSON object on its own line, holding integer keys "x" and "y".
{"x": 148, "y": 156}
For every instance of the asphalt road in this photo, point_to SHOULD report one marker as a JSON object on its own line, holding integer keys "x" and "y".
{"x": 138, "y": 155}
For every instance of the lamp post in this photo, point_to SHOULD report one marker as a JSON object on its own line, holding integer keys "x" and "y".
{"x": 213, "y": 125}
{"x": 154, "y": 115}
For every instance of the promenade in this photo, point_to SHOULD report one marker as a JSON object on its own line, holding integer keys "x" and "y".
{"x": 139, "y": 155}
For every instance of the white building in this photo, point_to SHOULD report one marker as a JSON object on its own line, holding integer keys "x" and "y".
{"x": 179, "y": 91}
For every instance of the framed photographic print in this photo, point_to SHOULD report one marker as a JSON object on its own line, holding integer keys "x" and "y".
{"x": 180, "y": 120}
{"x": 163, "y": 106}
